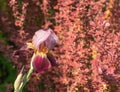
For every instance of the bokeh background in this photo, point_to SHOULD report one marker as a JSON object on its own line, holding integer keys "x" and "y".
{"x": 88, "y": 53}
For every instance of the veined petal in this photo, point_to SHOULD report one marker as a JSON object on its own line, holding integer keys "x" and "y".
{"x": 40, "y": 63}
{"x": 52, "y": 59}
{"x": 45, "y": 36}
{"x": 39, "y": 37}
{"x": 52, "y": 40}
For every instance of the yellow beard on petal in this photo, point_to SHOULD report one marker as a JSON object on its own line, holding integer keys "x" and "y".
{"x": 30, "y": 45}
{"x": 43, "y": 49}
{"x": 42, "y": 54}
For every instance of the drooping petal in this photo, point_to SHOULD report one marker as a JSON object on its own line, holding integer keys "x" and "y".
{"x": 52, "y": 59}
{"x": 27, "y": 46}
{"x": 39, "y": 37}
{"x": 52, "y": 40}
{"x": 24, "y": 47}
{"x": 40, "y": 63}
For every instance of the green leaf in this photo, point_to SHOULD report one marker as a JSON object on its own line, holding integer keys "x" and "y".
{"x": 3, "y": 38}
{"x": 3, "y": 5}
{"x": 7, "y": 72}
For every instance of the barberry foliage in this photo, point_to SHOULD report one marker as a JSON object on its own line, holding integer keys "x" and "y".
{"x": 89, "y": 42}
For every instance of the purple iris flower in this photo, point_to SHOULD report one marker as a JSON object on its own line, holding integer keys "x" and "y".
{"x": 43, "y": 41}
{"x": 47, "y": 37}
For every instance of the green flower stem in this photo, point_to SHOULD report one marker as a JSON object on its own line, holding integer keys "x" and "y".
{"x": 21, "y": 80}
{"x": 26, "y": 79}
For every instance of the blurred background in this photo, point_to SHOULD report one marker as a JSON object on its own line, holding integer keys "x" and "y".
{"x": 88, "y": 53}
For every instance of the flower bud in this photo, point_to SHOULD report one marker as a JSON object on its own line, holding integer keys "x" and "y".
{"x": 18, "y": 80}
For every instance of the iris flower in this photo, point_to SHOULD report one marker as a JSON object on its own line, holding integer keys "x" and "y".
{"x": 43, "y": 41}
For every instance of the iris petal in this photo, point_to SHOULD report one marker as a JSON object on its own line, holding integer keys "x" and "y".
{"x": 52, "y": 40}
{"x": 39, "y": 37}
{"x": 40, "y": 63}
{"x": 52, "y": 59}
{"x": 47, "y": 36}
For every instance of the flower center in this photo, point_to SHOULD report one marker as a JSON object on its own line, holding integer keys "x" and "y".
{"x": 43, "y": 49}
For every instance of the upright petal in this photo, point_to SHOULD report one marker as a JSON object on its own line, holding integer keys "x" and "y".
{"x": 39, "y": 37}
{"x": 52, "y": 40}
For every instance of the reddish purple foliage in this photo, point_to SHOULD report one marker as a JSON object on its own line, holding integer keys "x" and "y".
{"x": 89, "y": 49}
